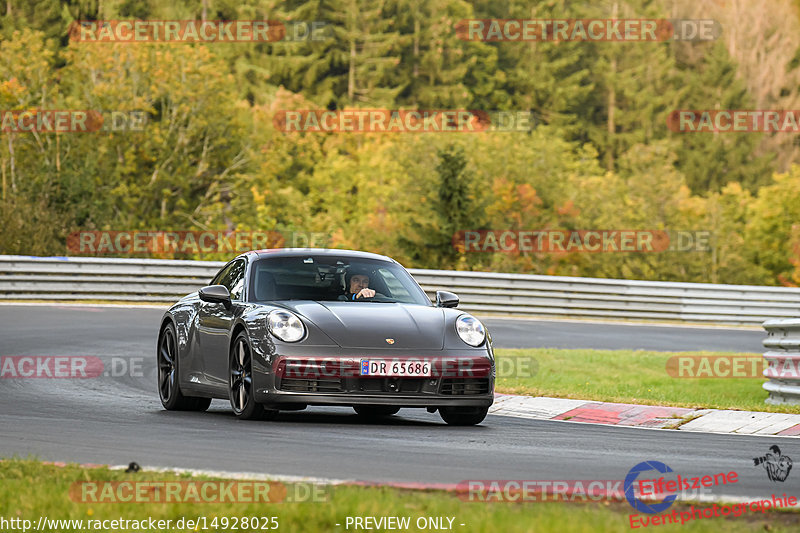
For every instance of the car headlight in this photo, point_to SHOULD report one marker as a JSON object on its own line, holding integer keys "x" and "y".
{"x": 285, "y": 325}
{"x": 470, "y": 330}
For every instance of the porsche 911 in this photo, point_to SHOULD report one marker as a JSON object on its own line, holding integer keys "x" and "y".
{"x": 281, "y": 330}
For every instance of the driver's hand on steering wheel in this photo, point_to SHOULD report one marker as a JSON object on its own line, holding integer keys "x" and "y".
{"x": 365, "y": 293}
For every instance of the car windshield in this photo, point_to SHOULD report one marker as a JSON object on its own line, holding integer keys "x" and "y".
{"x": 325, "y": 278}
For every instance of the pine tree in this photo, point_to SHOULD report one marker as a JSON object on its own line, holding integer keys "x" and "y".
{"x": 437, "y": 68}
{"x": 711, "y": 160}
{"x": 550, "y": 79}
{"x": 429, "y": 240}
{"x": 352, "y": 66}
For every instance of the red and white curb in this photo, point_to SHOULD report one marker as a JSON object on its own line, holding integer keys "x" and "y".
{"x": 647, "y": 416}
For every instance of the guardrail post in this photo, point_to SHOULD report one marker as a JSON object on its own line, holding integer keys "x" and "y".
{"x": 783, "y": 356}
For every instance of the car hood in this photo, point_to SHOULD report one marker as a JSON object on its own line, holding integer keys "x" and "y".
{"x": 369, "y": 324}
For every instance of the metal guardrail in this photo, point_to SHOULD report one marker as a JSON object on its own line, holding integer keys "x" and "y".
{"x": 560, "y": 296}
{"x": 783, "y": 355}
{"x": 92, "y": 278}
{"x": 155, "y": 280}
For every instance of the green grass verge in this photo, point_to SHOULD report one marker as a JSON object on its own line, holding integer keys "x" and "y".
{"x": 627, "y": 376}
{"x": 30, "y": 489}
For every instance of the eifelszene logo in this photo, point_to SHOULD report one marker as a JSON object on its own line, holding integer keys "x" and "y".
{"x": 630, "y": 484}
{"x": 776, "y": 464}
{"x": 658, "y": 494}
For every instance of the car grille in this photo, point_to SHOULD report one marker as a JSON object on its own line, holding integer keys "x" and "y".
{"x": 312, "y": 385}
{"x": 398, "y": 385}
{"x": 465, "y": 386}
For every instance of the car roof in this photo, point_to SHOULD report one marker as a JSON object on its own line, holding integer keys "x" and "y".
{"x": 300, "y": 252}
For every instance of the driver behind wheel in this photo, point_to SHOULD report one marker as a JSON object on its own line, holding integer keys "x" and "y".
{"x": 357, "y": 283}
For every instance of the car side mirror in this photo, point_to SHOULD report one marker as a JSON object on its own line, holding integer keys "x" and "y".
{"x": 446, "y": 299}
{"x": 217, "y": 294}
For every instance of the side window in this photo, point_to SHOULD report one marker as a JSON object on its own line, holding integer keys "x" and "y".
{"x": 233, "y": 279}
{"x": 395, "y": 286}
{"x": 220, "y": 275}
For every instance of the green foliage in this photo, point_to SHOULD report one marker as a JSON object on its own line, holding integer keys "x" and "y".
{"x": 211, "y": 157}
{"x": 771, "y": 229}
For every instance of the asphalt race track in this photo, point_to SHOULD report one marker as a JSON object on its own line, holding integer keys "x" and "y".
{"x": 120, "y": 419}
{"x": 508, "y": 333}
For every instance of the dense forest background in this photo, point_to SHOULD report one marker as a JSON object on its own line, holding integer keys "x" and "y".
{"x": 601, "y": 156}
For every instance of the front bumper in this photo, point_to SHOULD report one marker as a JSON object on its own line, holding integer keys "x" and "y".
{"x": 293, "y": 399}
{"x": 459, "y": 378}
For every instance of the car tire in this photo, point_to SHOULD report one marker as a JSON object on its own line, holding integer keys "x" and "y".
{"x": 463, "y": 416}
{"x": 240, "y": 382}
{"x": 169, "y": 388}
{"x": 376, "y": 411}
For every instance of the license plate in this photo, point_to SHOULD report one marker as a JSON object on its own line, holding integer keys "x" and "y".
{"x": 395, "y": 368}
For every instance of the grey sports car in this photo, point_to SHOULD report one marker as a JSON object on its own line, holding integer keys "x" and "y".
{"x": 284, "y": 329}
